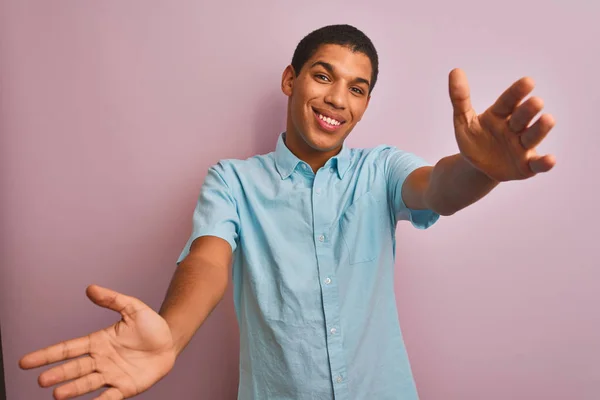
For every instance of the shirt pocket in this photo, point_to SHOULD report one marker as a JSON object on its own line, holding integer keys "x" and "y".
{"x": 363, "y": 228}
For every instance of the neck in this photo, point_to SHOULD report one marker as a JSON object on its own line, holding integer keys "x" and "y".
{"x": 315, "y": 158}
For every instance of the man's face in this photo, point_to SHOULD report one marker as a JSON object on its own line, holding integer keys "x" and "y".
{"x": 327, "y": 98}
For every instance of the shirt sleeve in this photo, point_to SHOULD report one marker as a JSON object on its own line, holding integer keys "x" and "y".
{"x": 215, "y": 213}
{"x": 398, "y": 165}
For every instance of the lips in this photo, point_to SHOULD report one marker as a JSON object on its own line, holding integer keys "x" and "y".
{"x": 337, "y": 118}
{"x": 327, "y": 123}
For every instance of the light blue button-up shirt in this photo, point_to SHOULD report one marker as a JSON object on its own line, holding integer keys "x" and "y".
{"x": 313, "y": 270}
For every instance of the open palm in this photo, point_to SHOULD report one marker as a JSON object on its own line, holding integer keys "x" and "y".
{"x": 500, "y": 142}
{"x": 127, "y": 357}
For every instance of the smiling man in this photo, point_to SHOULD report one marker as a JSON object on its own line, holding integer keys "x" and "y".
{"x": 329, "y": 90}
{"x": 309, "y": 231}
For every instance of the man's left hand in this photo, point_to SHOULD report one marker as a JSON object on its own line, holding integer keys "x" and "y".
{"x": 501, "y": 142}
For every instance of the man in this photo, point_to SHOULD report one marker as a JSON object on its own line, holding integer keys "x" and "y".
{"x": 310, "y": 230}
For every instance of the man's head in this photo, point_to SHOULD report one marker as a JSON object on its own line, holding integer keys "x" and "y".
{"x": 329, "y": 84}
{"x": 342, "y": 35}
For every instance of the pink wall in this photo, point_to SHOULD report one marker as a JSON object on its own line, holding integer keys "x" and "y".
{"x": 111, "y": 112}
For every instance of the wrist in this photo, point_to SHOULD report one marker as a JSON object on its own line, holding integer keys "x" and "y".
{"x": 478, "y": 173}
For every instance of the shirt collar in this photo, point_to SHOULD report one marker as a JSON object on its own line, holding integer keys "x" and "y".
{"x": 286, "y": 161}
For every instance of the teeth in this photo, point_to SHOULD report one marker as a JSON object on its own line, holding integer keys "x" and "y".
{"x": 330, "y": 121}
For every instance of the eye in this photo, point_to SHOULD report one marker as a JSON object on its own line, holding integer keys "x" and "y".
{"x": 322, "y": 77}
{"x": 357, "y": 90}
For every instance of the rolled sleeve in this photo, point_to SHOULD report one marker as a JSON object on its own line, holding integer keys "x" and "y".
{"x": 215, "y": 213}
{"x": 398, "y": 165}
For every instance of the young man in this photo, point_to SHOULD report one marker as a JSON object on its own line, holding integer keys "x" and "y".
{"x": 310, "y": 229}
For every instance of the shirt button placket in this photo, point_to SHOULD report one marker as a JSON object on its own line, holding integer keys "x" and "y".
{"x": 326, "y": 262}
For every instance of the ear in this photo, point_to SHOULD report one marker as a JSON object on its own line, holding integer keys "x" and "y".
{"x": 287, "y": 80}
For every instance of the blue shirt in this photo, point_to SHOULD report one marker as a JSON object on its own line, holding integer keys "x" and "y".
{"x": 313, "y": 270}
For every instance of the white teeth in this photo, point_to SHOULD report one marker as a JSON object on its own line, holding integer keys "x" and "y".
{"x": 330, "y": 121}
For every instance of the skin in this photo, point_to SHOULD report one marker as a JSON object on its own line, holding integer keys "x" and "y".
{"x": 496, "y": 146}
{"x": 338, "y": 90}
{"x": 137, "y": 351}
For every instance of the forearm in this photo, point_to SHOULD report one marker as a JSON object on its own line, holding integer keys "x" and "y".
{"x": 455, "y": 184}
{"x": 195, "y": 290}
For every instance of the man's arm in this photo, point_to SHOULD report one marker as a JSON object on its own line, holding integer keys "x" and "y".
{"x": 451, "y": 185}
{"x": 499, "y": 145}
{"x": 197, "y": 286}
{"x": 140, "y": 349}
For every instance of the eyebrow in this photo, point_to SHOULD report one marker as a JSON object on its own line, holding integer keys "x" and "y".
{"x": 330, "y": 69}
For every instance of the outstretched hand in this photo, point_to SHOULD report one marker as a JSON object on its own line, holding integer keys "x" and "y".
{"x": 127, "y": 358}
{"x": 500, "y": 142}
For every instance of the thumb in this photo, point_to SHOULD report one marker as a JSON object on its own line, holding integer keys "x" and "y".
{"x": 460, "y": 94}
{"x": 112, "y": 300}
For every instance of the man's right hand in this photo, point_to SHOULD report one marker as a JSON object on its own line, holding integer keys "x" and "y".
{"x": 127, "y": 357}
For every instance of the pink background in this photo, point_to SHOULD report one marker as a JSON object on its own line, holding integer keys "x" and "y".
{"x": 111, "y": 113}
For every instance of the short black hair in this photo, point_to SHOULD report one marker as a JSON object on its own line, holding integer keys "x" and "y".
{"x": 343, "y": 35}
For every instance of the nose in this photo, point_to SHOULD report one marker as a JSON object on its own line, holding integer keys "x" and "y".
{"x": 336, "y": 97}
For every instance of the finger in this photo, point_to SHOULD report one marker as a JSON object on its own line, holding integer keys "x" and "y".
{"x": 111, "y": 394}
{"x": 540, "y": 164}
{"x": 71, "y": 370}
{"x": 107, "y": 298}
{"x": 460, "y": 95}
{"x": 534, "y": 135}
{"x": 81, "y": 386}
{"x": 55, "y": 353}
{"x": 506, "y": 103}
{"x": 522, "y": 116}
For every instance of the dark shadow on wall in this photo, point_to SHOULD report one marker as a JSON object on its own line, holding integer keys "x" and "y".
{"x": 2, "y": 385}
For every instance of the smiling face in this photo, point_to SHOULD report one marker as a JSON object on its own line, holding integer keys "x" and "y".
{"x": 326, "y": 101}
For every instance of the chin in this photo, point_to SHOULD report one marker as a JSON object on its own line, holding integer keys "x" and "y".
{"x": 323, "y": 141}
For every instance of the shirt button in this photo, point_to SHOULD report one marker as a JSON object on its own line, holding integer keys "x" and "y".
{"x": 319, "y": 191}
{"x": 327, "y": 281}
{"x": 304, "y": 166}
{"x": 332, "y": 170}
{"x": 339, "y": 379}
{"x": 333, "y": 331}
{"x": 321, "y": 238}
